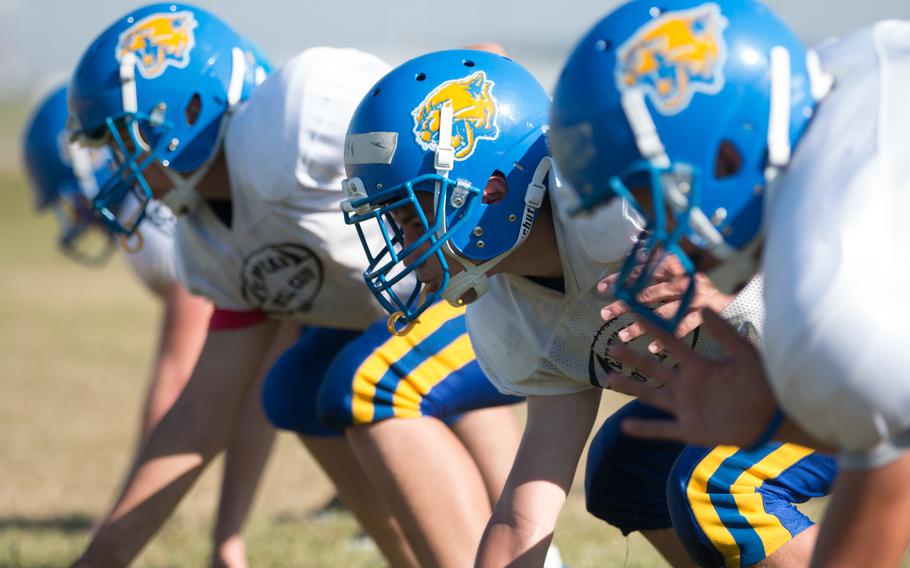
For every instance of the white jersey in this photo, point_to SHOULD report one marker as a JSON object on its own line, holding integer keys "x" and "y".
{"x": 154, "y": 263}
{"x": 836, "y": 255}
{"x": 532, "y": 340}
{"x": 288, "y": 251}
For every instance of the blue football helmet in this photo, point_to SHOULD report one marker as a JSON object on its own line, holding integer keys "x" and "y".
{"x": 64, "y": 178}
{"x": 443, "y": 123}
{"x": 701, "y": 103}
{"x": 157, "y": 86}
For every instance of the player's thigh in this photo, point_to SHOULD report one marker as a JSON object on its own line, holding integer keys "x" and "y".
{"x": 733, "y": 507}
{"x": 626, "y": 477}
{"x": 431, "y": 371}
{"x": 289, "y": 394}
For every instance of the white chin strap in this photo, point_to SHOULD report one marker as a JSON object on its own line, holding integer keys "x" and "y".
{"x": 182, "y": 197}
{"x": 676, "y": 187}
{"x": 473, "y": 282}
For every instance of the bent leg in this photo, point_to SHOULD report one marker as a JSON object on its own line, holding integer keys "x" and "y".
{"x": 245, "y": 460}
{"x": 442, "y": 478}
{"x": 392, "y": 394}
{"x": 737, "y": 508}
{"x": 491, "y": 436}
{"x": 289, "y": 399}
{"x": 356, "y": 490}
{"x": 626, "y": 481}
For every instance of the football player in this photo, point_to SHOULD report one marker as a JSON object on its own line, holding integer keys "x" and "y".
{"x": 754, "y": 140}
{"x": 447, "y": 156}
{"x": 254, "y": 178}
{"x": 63, "y": 178}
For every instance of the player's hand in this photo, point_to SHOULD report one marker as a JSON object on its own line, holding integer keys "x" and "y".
{"x": 713, "y": 402}
{"x": 670, "y": 283}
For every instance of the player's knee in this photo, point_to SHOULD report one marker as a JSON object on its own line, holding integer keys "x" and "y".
{"x": 625, "y": 478}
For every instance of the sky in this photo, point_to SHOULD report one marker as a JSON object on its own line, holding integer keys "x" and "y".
{"x": 41, "y": 40}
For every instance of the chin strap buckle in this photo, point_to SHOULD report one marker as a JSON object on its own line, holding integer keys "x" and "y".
{"x": 460, "y": 193}
{"x": 354, "y": 190}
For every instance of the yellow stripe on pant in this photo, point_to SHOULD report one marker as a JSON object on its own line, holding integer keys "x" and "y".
{"x": 769, "y": 528}
{"x": 411, "y": 391}
{"x": 391, "y": 351}
{"x": 700, "y": 501}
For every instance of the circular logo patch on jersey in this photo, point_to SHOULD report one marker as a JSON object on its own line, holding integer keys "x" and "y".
{"x": 282, "y": 278}
{"x": 600, "y": 364}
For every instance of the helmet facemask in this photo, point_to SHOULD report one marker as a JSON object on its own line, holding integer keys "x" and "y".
{"x": 392, "y": 265}
{"x": 184, "y": 142}
{"x": 678, "y": 219}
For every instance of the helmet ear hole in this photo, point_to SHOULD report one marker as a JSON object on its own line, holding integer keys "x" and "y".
{"x": 193, "y": 109}
{"x": 728, "y": 161}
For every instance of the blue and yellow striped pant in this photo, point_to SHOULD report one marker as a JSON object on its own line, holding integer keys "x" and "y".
{"x": 331, "y": 379}
{"x": 431, "y": 371}
{"x": 729, "y": 507}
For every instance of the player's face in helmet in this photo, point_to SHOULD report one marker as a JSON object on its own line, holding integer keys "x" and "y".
{"x": 430, "y": 271}
{"x": 63, "y": 178}
{"x": 156, "y": 87}
{"x": 422, "y": 146}
{"x": 700, "y": 104}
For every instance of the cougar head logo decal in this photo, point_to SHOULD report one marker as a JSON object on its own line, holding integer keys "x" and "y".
{"x": 675, "y": 56}
{"x": 474, "y": 114}
{"x": 158, "y": 41}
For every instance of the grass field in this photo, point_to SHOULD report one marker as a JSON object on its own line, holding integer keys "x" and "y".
{"x": 76, "y": 346}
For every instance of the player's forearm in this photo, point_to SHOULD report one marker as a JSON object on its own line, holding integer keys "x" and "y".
{"x": 176, "y": 452}
{"x": 514, "y": 541}
{"x": 170, "y": 461}
{"x": 152, "y": 493}
{"x": 167, "y": 381}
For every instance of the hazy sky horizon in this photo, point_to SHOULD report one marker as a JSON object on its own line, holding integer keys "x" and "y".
{"x": 41, "y": 40}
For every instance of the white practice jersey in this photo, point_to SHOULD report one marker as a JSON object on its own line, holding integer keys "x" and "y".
{"x": 154, "y": 263}
{"x": 288, "y": 251}
{"x": 835, "y": 263}
{"x": 533, "y": 340}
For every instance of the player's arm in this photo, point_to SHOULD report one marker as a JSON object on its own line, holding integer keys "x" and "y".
{"x": 183, "y": 330}
{"x": 193, "y": 432}
{"x": 522, "y": 525}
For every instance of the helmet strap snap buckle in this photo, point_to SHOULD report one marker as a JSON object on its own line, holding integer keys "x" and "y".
{"x": 460, "y": 193}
